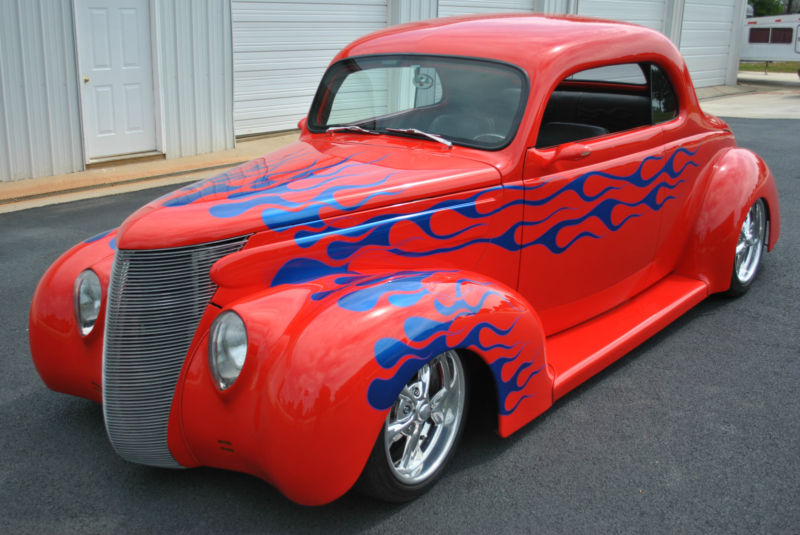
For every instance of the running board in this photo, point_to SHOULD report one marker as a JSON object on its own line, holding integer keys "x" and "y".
{"x": 582, "y": 351}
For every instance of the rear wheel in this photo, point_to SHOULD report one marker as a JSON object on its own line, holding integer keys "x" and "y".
{"x": 420, "y": 433}
{"x": 749, "y": 249}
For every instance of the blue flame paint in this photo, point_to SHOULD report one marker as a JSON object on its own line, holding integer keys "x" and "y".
{"x": 98, "y": 237}
{"x": 513, "y": 384}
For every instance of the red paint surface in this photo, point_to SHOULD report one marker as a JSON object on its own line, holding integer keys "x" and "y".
{"x": 460, "y": 247}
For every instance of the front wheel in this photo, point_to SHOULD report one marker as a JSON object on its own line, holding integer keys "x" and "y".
{"x": 749, "y": 249}
{"x": 421, "y": 432}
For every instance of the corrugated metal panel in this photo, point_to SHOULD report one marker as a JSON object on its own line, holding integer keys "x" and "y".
{"x": 449, "y": 8}
{"x": 706, "y": 37}
{"x": 648, "y": 13}
{"x": 401, "y": 11}
{"x": 195, "y": 65}
{"x": 281, "y": 49}
{"x": 555, "y": 6}
{"x": 40, "y": 131}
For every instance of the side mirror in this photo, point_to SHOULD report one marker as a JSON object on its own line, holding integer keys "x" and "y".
{"x": 572, "y": 151}
{"x": 546, "y": 158}
{"x": 302, "y": 123}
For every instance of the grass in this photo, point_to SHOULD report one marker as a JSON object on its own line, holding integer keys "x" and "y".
{"x": 772, "y": 66}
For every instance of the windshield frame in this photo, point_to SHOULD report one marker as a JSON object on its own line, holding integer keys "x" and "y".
{"x": 333, "y": 79}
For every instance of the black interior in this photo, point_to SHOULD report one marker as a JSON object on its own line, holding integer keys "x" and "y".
{"x": 573, "y": 115}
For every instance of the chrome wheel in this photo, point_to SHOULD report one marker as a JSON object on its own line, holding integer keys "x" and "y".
{"x": 751, "y": 244}
{"x": 425, "y": 421}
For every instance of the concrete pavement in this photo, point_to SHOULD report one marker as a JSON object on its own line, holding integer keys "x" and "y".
{"x": 767, "y": 96}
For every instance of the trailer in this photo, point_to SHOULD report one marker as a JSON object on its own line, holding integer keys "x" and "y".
{"x": 774, "y": 38}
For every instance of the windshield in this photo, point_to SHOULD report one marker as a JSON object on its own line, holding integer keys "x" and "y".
{"x": 471, "y": 102}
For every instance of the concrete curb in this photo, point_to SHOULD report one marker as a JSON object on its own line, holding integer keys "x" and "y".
{"x": 111, "y": 179}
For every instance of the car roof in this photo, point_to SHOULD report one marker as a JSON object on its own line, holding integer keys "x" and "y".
{"x": 526, "y": 40}
{"x": 546, "y": 47}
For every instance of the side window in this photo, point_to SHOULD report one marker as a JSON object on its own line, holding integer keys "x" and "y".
{"x": 759, "y": 35}
{"x": 626, "y": 73}
{"x": 604, "y": 100}
{"x": 663, "y": 104}
{"x": 781, "y": 36}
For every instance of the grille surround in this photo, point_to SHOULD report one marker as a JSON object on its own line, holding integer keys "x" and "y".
{"x": 155, "y": 301}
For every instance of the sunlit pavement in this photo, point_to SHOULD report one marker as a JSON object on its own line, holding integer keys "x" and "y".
{"x": 774, "y": 96}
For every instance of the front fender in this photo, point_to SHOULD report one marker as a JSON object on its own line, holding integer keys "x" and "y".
{"x": 738, "y": 179}
{"x": 328, "y": 358}
{"x": 66, "y": 361}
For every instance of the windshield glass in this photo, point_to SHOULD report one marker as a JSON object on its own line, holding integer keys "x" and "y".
{"x": 471, "y": 102}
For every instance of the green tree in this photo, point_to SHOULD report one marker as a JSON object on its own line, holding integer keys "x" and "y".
{"x": 762, "y": 8}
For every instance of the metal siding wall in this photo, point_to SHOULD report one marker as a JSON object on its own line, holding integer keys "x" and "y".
{"x": 40, "y": 131}
{"x": 195, "y": 66}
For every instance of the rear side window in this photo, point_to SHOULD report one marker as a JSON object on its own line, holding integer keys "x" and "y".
{"x": 626, "y": 73}
{"x": 604, "y": 100}
{"x": 663, "y": 104}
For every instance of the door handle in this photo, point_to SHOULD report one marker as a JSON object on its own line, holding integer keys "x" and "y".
{"x": 85, "y": 79}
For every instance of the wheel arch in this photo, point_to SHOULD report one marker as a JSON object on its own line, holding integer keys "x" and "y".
{"x": 738, "y": 179}
{"x": 322, "y": 384}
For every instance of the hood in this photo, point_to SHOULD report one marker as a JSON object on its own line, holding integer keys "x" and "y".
{"x": 300, "y": 184}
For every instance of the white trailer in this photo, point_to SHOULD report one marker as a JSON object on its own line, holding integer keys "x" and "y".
{"x": 775, "y": 38}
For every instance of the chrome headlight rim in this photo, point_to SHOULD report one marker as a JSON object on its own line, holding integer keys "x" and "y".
{"x": 87, "y": 301}
{"x": 227, "y": 349}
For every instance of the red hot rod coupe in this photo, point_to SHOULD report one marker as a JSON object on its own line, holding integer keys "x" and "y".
{"x": 519, "y": 198}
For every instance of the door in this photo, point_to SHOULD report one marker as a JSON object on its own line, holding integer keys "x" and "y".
{"x": 116, "y": 77}
{"x": 594, "y": 187}
{"x": 797, "y": 40}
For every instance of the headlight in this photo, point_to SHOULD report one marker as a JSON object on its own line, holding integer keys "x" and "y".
{"x": 88, "y": 296}
{"x": 227, "y": 348}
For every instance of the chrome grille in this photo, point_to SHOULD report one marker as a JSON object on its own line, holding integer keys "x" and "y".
{"x": 155, "y": 301}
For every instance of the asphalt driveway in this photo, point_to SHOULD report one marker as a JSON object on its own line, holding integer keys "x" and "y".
{"x": 696, "y": 431}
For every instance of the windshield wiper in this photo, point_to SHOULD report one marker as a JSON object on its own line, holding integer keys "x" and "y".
{"x": 350, "y": 128}
{"x": 422, "y": 133}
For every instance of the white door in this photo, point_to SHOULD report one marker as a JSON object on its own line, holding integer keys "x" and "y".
{"x": 797, "y": 40}
{"x": 116, "y": 77}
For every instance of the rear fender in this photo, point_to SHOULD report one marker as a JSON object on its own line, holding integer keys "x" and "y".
{"x": 331, "y": 357}
{"x": 739, "y": 178}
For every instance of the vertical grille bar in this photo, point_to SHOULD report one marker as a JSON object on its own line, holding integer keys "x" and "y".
{"x": 155, "y": 301}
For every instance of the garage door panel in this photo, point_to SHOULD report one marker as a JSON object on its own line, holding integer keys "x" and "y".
{"x": 449, "y": 8}
{"x": 281, "y": 49}
{"x": 706, "y": 39}
{"x": 327, "y": 11}
{"x": 648, "y": 13}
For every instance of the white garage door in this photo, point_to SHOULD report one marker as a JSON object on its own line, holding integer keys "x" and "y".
{"x": 648, "y": 13}
{"x": 706, "y": 40}
{"x": 281, "y": 49}
{"x": 449, "y": 8}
